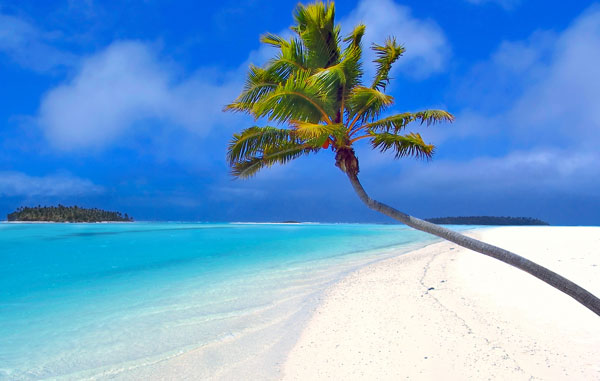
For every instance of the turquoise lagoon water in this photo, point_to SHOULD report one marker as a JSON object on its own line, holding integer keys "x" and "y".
{"x": 102, "y": 300}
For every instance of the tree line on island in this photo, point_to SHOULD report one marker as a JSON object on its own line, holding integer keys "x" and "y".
{"x": 486, "y": 220}
{"x": 63, "y": 213}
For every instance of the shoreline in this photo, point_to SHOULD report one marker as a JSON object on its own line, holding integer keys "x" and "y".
{"x": 423, "y": 311}
{"x": 445, "y": 312}
{"x": 258, "y": 339}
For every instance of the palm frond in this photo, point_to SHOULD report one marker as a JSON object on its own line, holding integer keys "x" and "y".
{"x": 351, "y": 56}
{"x": 338, "y": 80}
{"x": 330, "y": 79}
{"x": 297, "y": 99}
{"x": 351, "y": 59}
{"x": 430, "y": 117}
{"x": 402, "y": 145}
{"x": 354, "y": 39}
{"x": 366, "y": 104}
{"x": 307, "y": 131}
{"x": 255, "y": 141}
{"x": 290, "y": 59}
{"x": 281, "y": 154}
{"x": 258, "y": 83}
{"x": 386, "y": 56}
{"x": 273, "y": 40}
{"x": 316, "y": 27}
{"x": 398, "y": 122}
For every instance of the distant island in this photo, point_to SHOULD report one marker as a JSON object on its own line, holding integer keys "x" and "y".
{"x": 486, "y": 220}
{"x": 62, "y": 213}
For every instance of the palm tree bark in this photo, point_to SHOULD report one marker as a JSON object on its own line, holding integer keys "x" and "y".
{"x": 553, "y": 279}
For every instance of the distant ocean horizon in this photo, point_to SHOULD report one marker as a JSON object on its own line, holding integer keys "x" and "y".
{"x": 101, "y": 300}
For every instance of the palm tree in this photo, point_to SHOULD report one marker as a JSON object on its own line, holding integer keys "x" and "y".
{"x": 313, "y": 86}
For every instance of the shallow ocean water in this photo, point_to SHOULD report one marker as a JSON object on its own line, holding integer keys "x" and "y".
{"x": 99, "y": 300}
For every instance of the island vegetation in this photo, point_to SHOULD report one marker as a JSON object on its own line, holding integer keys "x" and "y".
{"x": 486, "y": 220}
{"x": 63, "y": 213}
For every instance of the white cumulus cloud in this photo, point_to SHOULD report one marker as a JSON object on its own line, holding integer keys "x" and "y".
{"x": 563, "y": 103}
{"x": 115, "y": 92}
{"x": 540, "y": 91}
{"x": 427, "y": 49}
{"x": 124, "y": 85}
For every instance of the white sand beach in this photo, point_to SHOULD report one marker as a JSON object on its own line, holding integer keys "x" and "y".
{"x": 446, "y": 313}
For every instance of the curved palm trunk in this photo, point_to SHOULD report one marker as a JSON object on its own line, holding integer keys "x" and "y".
{"x": 553, "y": 279}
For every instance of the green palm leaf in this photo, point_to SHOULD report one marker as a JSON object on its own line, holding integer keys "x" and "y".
{"x": 386, "y": 56}
{"x": 352, "y": 66}
{"x": 255, "y": 141}
{"x": 291, "y": 58}
{"x": 298, "y": 99}
{"x": 355, "y": 38}
{"x": 402, "y": 145}
{"x": 330, "y": 79}
{"x": 338, "y": 80}
{"x": 281, "y": 154}
{"x": 273, "y": 40}
{"x": 430, "y": 117}
{"x": 316, "y": 27}
{"x": 351, "y": 57}
{"x": 366, "y": 103}
{"x": 308, "y": 131}
{"x": 397, "y": 122}
{"x": 259, "y": 83}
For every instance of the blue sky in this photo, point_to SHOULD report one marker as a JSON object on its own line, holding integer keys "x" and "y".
{"x": 117, "y": 104}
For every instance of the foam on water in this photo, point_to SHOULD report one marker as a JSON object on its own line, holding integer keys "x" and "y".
{"x": 122, "y": 300}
